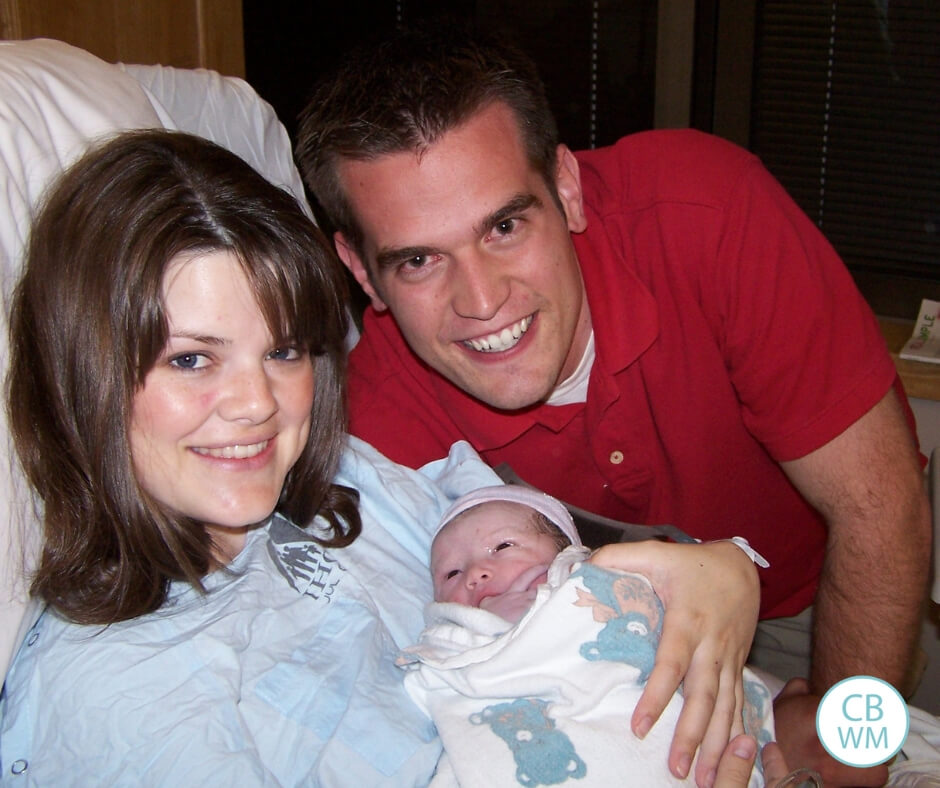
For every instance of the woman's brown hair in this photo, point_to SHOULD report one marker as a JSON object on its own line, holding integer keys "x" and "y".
{"x": 87, "y": 324}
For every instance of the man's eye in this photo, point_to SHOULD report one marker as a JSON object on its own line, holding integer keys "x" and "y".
{"x": 189, "y": 361}
{"x": 505, "y": 227}
{"x": 416, "y": 266}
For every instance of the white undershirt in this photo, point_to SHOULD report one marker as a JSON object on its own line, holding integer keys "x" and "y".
{"x": 574, "y": 387}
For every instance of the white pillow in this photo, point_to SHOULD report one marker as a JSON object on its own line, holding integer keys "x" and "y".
{"x": 227, "y": 111}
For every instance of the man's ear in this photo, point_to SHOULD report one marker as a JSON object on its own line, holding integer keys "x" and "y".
{"x": 354, "y": 263}
{"x": 568, "y": 184}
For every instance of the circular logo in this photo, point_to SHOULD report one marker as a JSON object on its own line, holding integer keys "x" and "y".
{"x": 862, "y": 721}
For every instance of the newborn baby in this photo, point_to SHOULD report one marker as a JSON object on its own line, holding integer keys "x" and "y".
{"x": 494, "y": 548}
{"x": 534, "y": 658}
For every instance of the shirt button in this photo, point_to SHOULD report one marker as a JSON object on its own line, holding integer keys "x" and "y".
{"x": 32, "y": 639}
{"x": 18, "y": 767}
{"x": 616, "y": 457}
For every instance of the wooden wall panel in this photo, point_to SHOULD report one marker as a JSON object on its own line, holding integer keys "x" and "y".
{"x": 184, "y": 33}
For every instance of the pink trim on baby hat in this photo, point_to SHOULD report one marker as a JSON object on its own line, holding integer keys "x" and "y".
{"x": 552, "y": 508}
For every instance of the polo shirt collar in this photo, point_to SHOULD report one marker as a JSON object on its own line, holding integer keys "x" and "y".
{"x": 623, "y": 311}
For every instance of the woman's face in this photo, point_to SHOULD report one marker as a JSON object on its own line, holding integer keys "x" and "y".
{"x": 225, "y": 412}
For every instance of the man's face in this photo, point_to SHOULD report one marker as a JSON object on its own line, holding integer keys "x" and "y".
{"x": 466, "y": 246}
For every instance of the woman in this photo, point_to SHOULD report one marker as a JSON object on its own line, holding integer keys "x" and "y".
{"x": 216, "y": 612}
{"x": 89, "y": 336}
{"x": 176, "y": 376}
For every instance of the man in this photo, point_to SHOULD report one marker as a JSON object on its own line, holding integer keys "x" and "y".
{"x": 652, "y": 331}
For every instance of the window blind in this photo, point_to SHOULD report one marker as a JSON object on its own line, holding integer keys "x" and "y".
{"x": 846, "y": 113}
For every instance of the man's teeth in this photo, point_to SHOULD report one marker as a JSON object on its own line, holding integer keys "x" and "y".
{"x": 505, "y": 339}
{"x": 235, "y": 452}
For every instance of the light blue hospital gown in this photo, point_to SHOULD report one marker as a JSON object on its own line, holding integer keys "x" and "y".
{"x": 281, "y": 674}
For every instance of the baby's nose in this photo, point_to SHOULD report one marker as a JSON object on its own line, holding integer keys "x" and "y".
{"x": 477, "y": 575}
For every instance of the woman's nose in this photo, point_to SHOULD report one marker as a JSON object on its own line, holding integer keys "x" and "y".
{"x": 249, "y": 396}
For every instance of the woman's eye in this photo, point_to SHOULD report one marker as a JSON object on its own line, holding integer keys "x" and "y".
{"x": 189, "y": 361}
{"x": 285, "y": 354}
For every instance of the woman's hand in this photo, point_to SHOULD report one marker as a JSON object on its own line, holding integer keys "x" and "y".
{"x": 711, "y": 595}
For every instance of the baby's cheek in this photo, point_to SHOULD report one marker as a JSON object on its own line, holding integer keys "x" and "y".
{"x": 446, "y": 592}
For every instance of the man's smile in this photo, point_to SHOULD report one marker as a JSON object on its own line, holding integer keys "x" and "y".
{"x": 502, "y": 340}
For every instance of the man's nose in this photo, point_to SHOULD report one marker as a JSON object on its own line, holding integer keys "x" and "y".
{"x": 481, "y": 286}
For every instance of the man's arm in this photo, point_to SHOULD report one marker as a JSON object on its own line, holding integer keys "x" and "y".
{"x": 869, "y": 486}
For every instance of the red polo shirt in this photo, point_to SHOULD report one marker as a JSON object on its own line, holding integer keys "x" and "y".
{"x": 729, "y": 337}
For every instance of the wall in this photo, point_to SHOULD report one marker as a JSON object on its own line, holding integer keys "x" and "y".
{"x": 183, "y": 33}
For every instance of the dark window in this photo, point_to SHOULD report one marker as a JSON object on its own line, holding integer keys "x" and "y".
{"x": 846, "y": 113}
{"x": 597, "y": 57}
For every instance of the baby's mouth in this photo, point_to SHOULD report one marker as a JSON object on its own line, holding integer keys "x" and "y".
{"x": 501, "y": 340}
{"x": 530, "y": 578}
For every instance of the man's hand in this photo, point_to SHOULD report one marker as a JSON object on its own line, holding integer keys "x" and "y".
{"x": 711, "y": 595}
{"x": 795, "y": 721}
{"x": 734, "y": 769}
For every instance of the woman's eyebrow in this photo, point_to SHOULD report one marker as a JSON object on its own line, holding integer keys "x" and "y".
{"x": 193, "y": 336}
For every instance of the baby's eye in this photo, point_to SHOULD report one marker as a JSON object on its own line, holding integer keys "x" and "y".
{"x": 451, "y": 574}
{"x": 502, "y": 546}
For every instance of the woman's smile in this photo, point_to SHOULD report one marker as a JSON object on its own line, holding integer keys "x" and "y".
{"x": 237, "y": 451}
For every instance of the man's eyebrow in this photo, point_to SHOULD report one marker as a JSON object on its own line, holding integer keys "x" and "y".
{"x": 517, "y": 205}
{"x": 389, "y": 258}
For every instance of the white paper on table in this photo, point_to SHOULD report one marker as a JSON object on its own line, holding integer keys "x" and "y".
{"x": 924, "y": 344}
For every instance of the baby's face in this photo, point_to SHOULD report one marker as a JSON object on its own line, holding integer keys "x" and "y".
{"x": 487, "y": 551}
